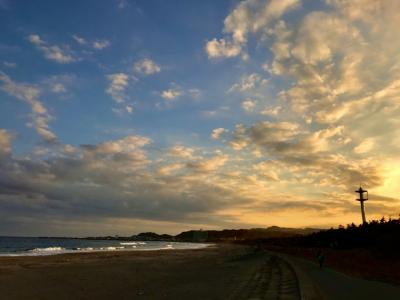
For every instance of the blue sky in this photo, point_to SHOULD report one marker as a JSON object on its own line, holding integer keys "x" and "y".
{"x": 137, "y": 31}
{"x": 170, "y": 115}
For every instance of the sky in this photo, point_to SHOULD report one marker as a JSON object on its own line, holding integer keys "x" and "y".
{"x": 122, "y": 116}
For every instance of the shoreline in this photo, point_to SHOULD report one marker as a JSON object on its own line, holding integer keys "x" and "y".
{"x": 59, "y": 248}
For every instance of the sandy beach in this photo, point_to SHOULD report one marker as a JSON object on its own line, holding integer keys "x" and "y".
{"x": 211, "y": 273}
{"x": 227, "y": 272}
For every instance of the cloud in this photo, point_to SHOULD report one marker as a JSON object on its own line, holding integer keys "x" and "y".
{"x": 268, "y": 170}
{"x": 110, "y": 181}
{"x": 101, "y": 44}
{"x": 208, "y": 165}
{"x": 365, "y": 146}
{"x": 220, "y": 48}
{"x": 58, "y": 88}
{"x": 52, "y": 52}
{"x": 248, "y": 83}
{"x": 336, "y": 78}
{"x": 271, "y": 111}
{"x": 311, "y": 154}
{"x": 176, "y": 91}
{"x": 168, "y": 169}
{"x": 118, "y": 84}
{"x": 171, "y": 94}
{"x": 129, "y": 109}
{"x": 127, "y": 144}
{"x": 5, "y": 142}
{"x": 217, "y": 133}
{"x": 250, "y": 16}
{"x": 58, "y": 84}
{"x": 248, "y": 105}
{"x": 30, "y": 95}
{"x": 79, "y": 39}
{"x": 96, "y": 44}
{"x": 328, "y": 121}
{"x": 181, "y": 151}
{"x": 146, "y": 67}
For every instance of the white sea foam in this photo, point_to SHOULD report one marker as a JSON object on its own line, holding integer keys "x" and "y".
{"x": 43, "y": 251}
{"x": 111, "y": 248}
{"x": 125, "y": 246}
{"x": 128, "y": 243}
{"x": 48, "y": 249}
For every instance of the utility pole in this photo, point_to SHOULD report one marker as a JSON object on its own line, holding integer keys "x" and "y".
{"x": 361, "y": 192}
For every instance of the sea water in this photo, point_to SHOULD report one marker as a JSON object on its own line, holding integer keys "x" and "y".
{"x": 33, "y": 246}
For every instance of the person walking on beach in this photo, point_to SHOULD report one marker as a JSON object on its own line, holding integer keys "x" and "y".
{"x": 320, "y": 258}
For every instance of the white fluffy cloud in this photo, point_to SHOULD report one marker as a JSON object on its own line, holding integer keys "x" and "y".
{"x": 62, "y": 55}
{"x": 171, "y": 94}
{"x": 146, "y": 66}
{"x": 118, "y": 84}
{"x": 30, "y": 94}
{"x": 249, "y": 105}
{"x": 250, "y": 16}
{"x": 217, "y": 133}
{"x": 221, "y": 48}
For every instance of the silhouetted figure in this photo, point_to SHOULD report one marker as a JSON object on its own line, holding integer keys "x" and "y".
{"x": 320, "y": 258}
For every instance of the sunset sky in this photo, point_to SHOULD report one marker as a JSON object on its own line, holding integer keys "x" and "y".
{"x": 118, "y": 117}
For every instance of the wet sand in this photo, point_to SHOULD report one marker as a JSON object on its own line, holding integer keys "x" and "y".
{"x": 210, "y": 273}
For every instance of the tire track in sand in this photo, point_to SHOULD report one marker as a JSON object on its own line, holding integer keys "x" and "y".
{"x": 275, "y": 279}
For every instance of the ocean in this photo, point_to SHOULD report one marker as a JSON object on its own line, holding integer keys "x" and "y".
{"x": 34, "y": 246}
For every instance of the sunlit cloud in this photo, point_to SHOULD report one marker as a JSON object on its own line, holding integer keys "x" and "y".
{"x": 217, "y": 133}
{"x": 171, "y": 94}
{"x": 248, "y": 105}
{"x": 118, "y": 84}
{"x": 248, "y": 82}
{"x": 248, "y": 17}
{"x": 55, "y": 53}
{"x": 30, "y": 94}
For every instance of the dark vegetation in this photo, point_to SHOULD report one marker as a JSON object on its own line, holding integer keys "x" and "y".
{"x": 381, "y": 237}
{"x": 370, "y": 250}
